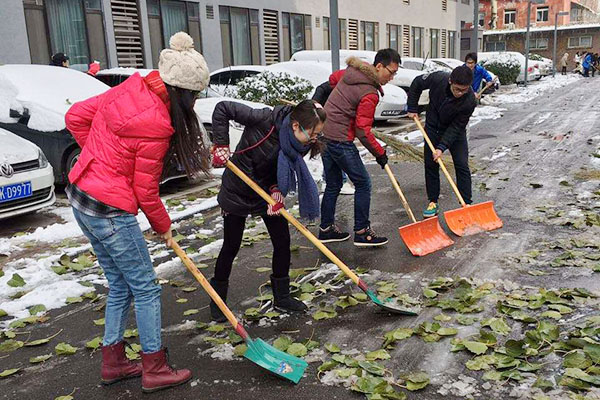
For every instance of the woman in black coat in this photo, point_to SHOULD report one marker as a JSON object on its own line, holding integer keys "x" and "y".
{"x": 270, "y": 152}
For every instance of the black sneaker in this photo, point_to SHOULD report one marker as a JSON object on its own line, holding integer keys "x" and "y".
{"x": 332, "y": 234}
{"x": 368, "y": 239}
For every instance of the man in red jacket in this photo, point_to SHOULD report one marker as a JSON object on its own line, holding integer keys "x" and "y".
{"x": 350, "y": 112}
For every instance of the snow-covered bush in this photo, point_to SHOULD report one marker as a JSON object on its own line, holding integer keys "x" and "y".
{"x": 269, "y": 87}
{"x": 507, "y": 68}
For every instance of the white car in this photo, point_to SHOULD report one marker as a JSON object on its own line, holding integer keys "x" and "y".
{"x": 426, "y": 65}
{"x": 453, "y": 63}
{"x": 402, "y": 79}
{"x": 223, "y": 80}
{"x": 517, "y": 57}
{"x": 26, "y": 177}
{"x": 204, "y": 107}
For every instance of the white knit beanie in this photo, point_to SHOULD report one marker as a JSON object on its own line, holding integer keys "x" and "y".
{"x": 182, "y": 66}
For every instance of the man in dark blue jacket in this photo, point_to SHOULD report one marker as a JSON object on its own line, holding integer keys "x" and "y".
{"x": 451, "y": 104}
{"x": 479, "y": 74}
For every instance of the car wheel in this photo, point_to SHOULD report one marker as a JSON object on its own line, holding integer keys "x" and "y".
{"x": 72, "y": 159}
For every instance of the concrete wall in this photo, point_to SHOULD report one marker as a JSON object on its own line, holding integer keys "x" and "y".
{"x": 14, "y": 47}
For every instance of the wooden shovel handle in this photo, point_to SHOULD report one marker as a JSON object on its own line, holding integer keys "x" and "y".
{"x": 418, "y": 122}
{"x": 399, "y": 191}
{"x": 205, "y": 285}
{"x": 294, "y": 222}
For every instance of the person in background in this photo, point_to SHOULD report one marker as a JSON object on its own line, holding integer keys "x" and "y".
{"x": 594, "y": 66}
{"x": 350, "y": 114}
{"x": 271, "y": 152}
{"x": 586, "y": 63}
{"x": 479, "y": 75}
{"x": 451, "y": 104}
{"x": 60, "y": 60}
{"x": 577, "y": 61}
{"x": 563, "y": 63}
{"x": 125, "y": 135}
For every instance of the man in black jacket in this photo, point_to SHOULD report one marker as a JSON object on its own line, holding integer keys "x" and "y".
{"x": 451, "y": 104}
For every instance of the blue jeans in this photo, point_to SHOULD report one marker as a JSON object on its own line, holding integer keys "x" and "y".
{"x": 122, "y": 253}
{"x": 340, "y": 157}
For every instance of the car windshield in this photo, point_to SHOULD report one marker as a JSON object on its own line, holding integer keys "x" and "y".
{"x": 209, "y": 92}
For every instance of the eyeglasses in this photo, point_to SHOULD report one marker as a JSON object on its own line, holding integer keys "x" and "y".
{"x": 314, "y": 136}
{"x": 459, "y": 90}
{"x": 393, "y": 73}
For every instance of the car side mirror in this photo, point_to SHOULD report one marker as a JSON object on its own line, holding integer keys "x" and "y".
{"x": 23, "y": 116}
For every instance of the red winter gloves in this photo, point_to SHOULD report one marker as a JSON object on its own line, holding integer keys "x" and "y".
{"x": 276, "y": 194}
{"x": 220, "y": 155}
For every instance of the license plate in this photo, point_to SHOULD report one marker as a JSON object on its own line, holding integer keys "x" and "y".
{"x": 15, "y": 191}
{"x": 388, "y": 113}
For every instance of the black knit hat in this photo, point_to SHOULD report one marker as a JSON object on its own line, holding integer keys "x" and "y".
{"x": 59, "y": 58}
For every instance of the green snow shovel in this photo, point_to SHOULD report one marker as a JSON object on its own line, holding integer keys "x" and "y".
{"x": 387, "y": 305}
{"x": 259, "y": 352}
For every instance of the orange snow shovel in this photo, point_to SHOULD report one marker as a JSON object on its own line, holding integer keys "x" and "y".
{"x": 421, "y": 237}
{"x": 469, "y": 219}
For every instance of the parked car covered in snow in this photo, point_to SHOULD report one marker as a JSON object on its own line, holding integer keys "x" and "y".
{"x": 33, "y": 103}
{"x": 26, "y": 177}
{"x": 517, "y": 57}
{"x": 391, "y": 105}
{"x": 402, "y": 79}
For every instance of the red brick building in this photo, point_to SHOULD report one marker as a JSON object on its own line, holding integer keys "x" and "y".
{"x": 513, "y": 14}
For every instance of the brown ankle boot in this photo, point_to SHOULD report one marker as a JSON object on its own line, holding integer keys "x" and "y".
{"x": 158, "y": 374}
{"x": 116, "y": 366}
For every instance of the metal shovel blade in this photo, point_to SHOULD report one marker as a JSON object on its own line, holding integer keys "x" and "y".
{"x": 473, "y": 219}
{"x": 424, "y": 237}
{"x": 275, "y": 361}
{"x": 389, "y": 306}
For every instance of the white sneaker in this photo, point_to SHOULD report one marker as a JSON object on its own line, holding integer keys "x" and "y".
{"x": 347, "y": 188}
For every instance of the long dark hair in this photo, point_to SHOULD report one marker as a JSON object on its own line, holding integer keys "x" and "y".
{"x": 189, "y": 142}
{"x": 309, "y": 113}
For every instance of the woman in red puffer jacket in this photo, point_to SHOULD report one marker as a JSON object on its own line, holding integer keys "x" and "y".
{"x": 125, "y": 135}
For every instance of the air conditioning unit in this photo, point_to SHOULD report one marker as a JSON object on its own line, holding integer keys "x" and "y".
{"x": 511, "y": 25}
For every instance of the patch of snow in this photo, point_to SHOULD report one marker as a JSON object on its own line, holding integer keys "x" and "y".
{"x": 184, "y": 326}
{"x": 42, "y": 284}
{"x": 484, "y": 113}
{"x": 533, "y": 89}
{"x": 223, "y": 352}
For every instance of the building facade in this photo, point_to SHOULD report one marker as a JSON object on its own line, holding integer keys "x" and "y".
{"x": 131, "y": 33}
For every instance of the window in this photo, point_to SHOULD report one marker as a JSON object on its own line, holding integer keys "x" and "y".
{"x": 369, "y": 35}
{"x": 434, "y": 50}
{"x": 67, "y": 30}
{"x": 307, "y": 32}
{"x": 417, "y": 41}
{"x": 539, "y": 43}
{"x": 343, "y": 34}
{"x": 580, "y": 42}
{"x": 393, "y": 35}
{"x": 239, "y": 36}
{"x": 482, "y": 19}
{"x": 93, "y": 5}
{"x": 495, "y": 46}
{"x": 542, "y": 14}
{"x": 293, "y": 33}
{"x": 510, "y": 17}
{"x": 326, "y": 38}
{"x": 465, "y": 43}
{"x": 174, "y": 19}
{"x": 153, "y": 7}
{"x": 465, "y": 1}
{"x": 451, "y": 44}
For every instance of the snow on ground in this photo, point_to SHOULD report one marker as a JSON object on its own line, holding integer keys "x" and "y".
{"x": 482, "y": 113}
{"x": 519, "y": 94}
{"x": 43, "y": 285}
{"x": 69, "y": 229}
